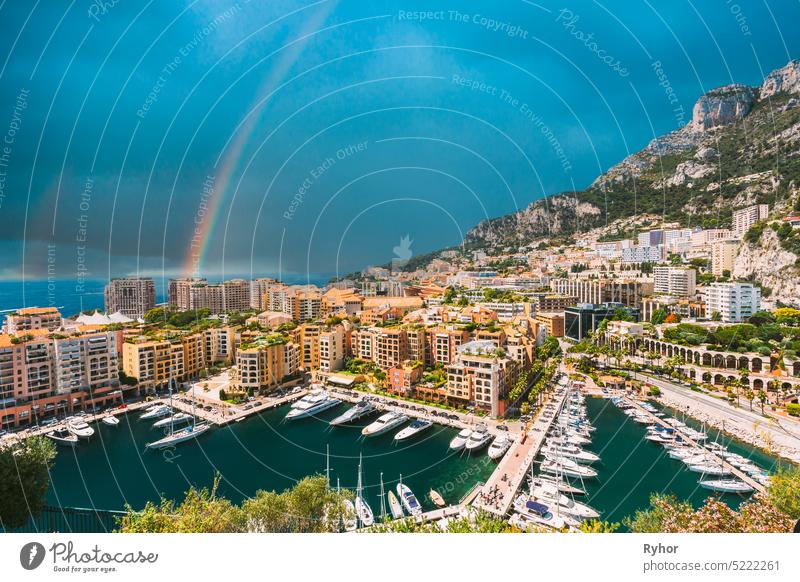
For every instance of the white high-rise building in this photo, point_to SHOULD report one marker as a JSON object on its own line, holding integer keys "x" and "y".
{"x": 744, "y": 218}
{"x": 734, "y": 302}
{"x": 674, "y": 280}
{"x": 131, "y": 296}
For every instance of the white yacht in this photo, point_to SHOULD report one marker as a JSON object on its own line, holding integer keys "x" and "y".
{"x": 710, "y": 469}
{"x": 568, "y": 468}
{"x": 156, "y": 411}
{"x": 499, "y": 446}
{"x": 570, "y": 452}
{"x": 362, "y": 408}
{"x": 312, "y": 404}
{"x": 726, "y": 485}
{"x": 560, "y": 484}
{"x": 110, "y": 420}
{"x": 384, "y": 423}
{"x": 460, "y": 439}
{"x": 174, "y": 420}
{"x": 549, "y": 494}
{"x": 394, "y": 505}
{"x": 413, "y": 430}
{"x": 188, "y": 433}
{"x": 63, "y": 437}
{"x": 479, "y": 438}
{"x": 364, "y": 512}
{"x": 79, "y": 428}
{"x": 409, "y": 499}
{"x": 534, "y": 513}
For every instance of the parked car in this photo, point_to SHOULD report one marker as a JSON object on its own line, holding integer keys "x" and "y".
{"x": 257, "y": 403}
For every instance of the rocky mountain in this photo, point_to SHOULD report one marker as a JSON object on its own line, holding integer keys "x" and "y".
{"x": 741, "y": 147}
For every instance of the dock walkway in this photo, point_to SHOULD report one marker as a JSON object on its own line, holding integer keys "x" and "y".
{"x": 497, "y": 495}
{"x": 700, "y": 449}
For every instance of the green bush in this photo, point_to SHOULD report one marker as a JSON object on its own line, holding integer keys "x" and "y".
{"x": 793, "y": 409}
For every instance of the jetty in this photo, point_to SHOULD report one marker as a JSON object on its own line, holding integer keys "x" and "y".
{"x": 498, "y": 493}
{"x": 738, "y": 473}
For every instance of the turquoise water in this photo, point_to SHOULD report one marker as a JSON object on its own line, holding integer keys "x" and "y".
{"x": 631, "y": 468}
{"x": 263, "y": 452}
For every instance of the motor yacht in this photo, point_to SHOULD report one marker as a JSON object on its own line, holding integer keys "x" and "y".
{"x": 568, "y": 468}
{"x": 537, "y": 514}
{"x": 384, "y": 423}
{"x": 110, "y": 420}
{"x": 79, "y": 428}
{"x": 571, "y": 452}
{"x": 408, "y": 499}
{"x": 479, "y": 438}
{"x": 500, "y": 445}
{"x": 63, "y": 437}
{"x": 416, "y": 427}
{"x": 460, "y": 440}
{"x": 312, "y": 404}
{"x": 361, "y": 409}
{"x": 156, "y": 411}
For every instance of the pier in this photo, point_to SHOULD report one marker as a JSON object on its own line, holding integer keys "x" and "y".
{"x": 738, "y": 473}
{"x": 498, "y": 493}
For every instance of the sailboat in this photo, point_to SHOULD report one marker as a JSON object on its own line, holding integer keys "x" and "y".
{"x": 408, "y": 498}
{"x": 174, "y": 437}
{"x": 363, "y": 510}
{"x": 394, "y": 505}
{"x": 349, "y": 519}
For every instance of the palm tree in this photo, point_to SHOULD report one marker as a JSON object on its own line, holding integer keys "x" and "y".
{"x": 762, "y": 397}
{"x": 750, "y": 395}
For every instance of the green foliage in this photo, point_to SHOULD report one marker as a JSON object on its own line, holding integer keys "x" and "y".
{"x": 480, "y": 522}
{"x": 24, "y": 479}
{"x": 793, "y": 409}
{"x": 784, "y": 491}
{"x": 308, "y": 507}
{"x": 177, "y": 319}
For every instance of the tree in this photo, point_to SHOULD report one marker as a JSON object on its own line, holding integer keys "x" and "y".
{"x": 309, "y": 506}
{"x": 24, "y": 479}
{"x": 762, "y": 398}
{"x": 750, "y": 396}
{"x": 784, "y": 491}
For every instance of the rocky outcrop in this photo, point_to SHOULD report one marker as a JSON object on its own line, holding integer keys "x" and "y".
{"x": 783, "y": 80}
{"x": 551, "y": 216}
{"x": 772, "y": 266}
{"x": 722, "y": 106}
{"x": 685, "y": 173}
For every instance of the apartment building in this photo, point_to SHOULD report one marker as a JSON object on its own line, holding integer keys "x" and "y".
{"x": 723, "y": 255}
{"x": 734, "y": 302}
{"x": 340, "y": 302}
{"x": 401, "y": 379}
{"x": 258, "y": 290}
{"x": 179, "y": 294}
{"x": 390, "y": 347}
{"x": 22, "y": 320}
{"x": 156, "y": 362}
{"x": 552, "y": 322}
{"x": 301, "y": 302}
{"x": 236, "y": 295}
{"x": 679, "y": 281}
{"x": 218, "y": 344}
{"x": 629, "y": 292}
{"x": 188, "y": 293}
{"x": 505, "y": 311}
{"x": 744, "y": 218}
{"x": 332, "y": 349}
{"x": 42, "y": 375}
{"x": 131, "y": 296}
{"x": 443, "y": 343}
{"x": 583, "y": 319}
{"x": 264, "y": 366}
{"x": 551, "y": 303}
{"x": 683, "y": 307}
{"x": 644, "y": 254}
{"x": 481, "y": 376}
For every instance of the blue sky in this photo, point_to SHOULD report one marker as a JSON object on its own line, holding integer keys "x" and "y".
{"x": 330, "y": 130}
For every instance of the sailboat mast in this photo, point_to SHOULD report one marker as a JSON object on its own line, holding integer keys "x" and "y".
{"x": 383, "y": 500}
{"x": 328, "y": 466}
{"x": 358, "y": 492}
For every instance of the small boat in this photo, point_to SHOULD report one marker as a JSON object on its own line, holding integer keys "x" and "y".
{"x": 349, "y": 517}
{"x": 110, "y": 420}
{"x": 394, "y": 505}
{"x": 174, "y": 420}
{"x": 353, "y": 413}
{"x": 460, "y": 439}
{"x": 156, "y": 411}
{"x": 80, "y": 428}
{"x": 499, "y": 446}
{"x": 408, "y": 499}
{"x": 436, "y": 497}
{"x": 385, "y": 423}
{"x": 479, "y": 438}
{"x": 571, "y": 452}
{"x": 188, "y": 433}
{"x": 413, "y": 429}
{"x": 311, "y": 404}
{"x": 364, "y": 512}
{"x": 63, "y": 437}
{"x": 727, "y": 486}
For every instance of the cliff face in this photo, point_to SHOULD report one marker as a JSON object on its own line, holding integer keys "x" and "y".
{"x": 741, "y": 147}
{"x": 772, "y": 266}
